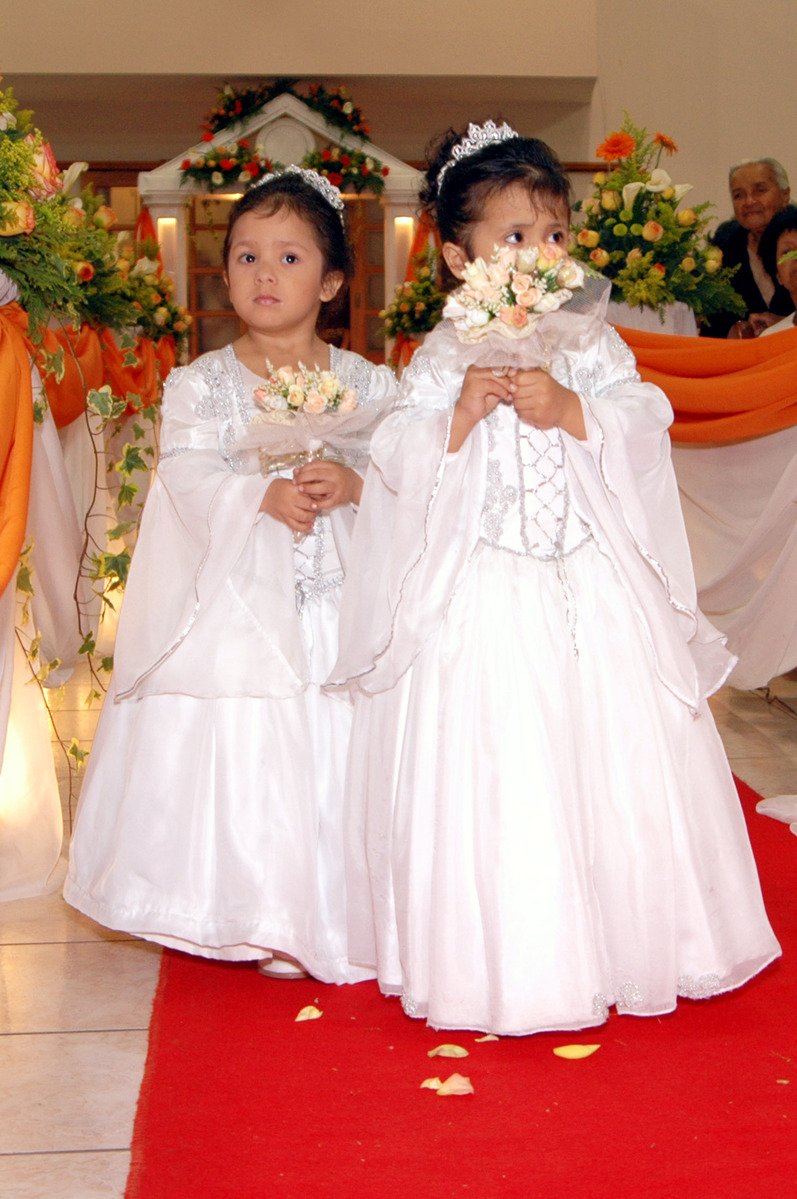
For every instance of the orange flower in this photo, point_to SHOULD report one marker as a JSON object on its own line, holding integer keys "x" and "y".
{"x": 665, "y": 142}
{"x": 84, "y": 271}
{"x": 17, "y": 216}
{"x": 615, "y": 147}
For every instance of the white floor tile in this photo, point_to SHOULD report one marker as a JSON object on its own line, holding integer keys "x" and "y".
{"x": 69, "y": 1091}
{"x": 65, "y": 1175}
{"x": 77, "y": 986}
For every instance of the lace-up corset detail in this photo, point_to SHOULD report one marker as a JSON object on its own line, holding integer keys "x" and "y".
{"x": 526, "y": 507}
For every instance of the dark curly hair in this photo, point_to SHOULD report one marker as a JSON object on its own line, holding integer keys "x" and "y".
{"x": 782, "y": 222}
{"x": 456, "y": 202}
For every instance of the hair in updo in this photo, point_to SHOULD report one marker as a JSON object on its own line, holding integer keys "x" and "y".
{"x": 784, "y": 221}
{"x": 295, "y": 194}
{"x": 456, "y": 202}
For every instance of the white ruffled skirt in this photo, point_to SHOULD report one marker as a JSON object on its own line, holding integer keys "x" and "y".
{"x": 214, "y": 825}
{"x": 536, "y": 835}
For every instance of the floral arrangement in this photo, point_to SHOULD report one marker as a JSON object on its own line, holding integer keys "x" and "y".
{"x": 234, "y": 105}
{"x": 34, "y": 218}
{"x": 337, "y": 108}
{"x": 234, "y": 165}
{"x": 509, "y": 294}
{"x": 417, "y": 304}
{"x": 635, "y": 234}
{"x": 150, "y": 290}
{"x": 348, "y": 169}
{"x": 287, "y": 392}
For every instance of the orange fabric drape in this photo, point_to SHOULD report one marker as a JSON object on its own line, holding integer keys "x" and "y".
{"x": 145, "y": 229}
{"x": 16, "y": 444}
{"x": 92, "y": 359}
{"x": 721, "y": 391}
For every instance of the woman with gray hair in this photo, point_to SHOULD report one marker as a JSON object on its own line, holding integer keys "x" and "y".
{"x": 759, "y": 189}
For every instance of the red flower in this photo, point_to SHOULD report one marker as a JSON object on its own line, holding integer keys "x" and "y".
{"x": 666, "y": 143}
{"x": 237, "y": 107}
{"x": 385, "y": 170}
{"x": 334, "y": 102}
{"x": 660, "y": 267}
{"x": 335, "y": 178}
{"x": 326, "y": 155}
{"x": 185, "y": 164}
{"x": 207, "y": 136}
{"x": 345, "y": 160}
{"x": 227, "y": 164}
{"x": 364, "y": 170}
{"x": 243, "y": 142}
{"x": 252, "y": 168}
{"x": 615, "y": 147}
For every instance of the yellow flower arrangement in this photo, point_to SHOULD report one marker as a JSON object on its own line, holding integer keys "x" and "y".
{"x": 634, "y": 232}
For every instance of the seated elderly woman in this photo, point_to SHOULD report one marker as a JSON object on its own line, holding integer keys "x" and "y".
{"x": 778, "y": 251}
{"x": 759, "y": 190}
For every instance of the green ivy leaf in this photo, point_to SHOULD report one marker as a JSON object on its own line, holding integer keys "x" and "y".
{"x": 107, "y": 663}
{"x": 121, "y": 529}
{"x": 89, "y": 644}
{"x": 126, "y": 495}
{"x": 25, "y": 579}
{"x": 52, "y": 363}
{"x": 131, "y": 460}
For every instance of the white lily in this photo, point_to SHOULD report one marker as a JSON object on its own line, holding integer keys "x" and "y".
{"x": 659, "y": 181}
{"x": 71, "y": 177}
{"x": 630, "y": 193}
{"x": 680, "y": 190}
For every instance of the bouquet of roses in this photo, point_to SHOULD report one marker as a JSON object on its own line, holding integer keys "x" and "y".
{"x": 508, "y": 295}
{"x": 307, "y": 414}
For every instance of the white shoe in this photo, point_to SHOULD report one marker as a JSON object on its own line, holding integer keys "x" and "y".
{"x": 281, "y": 967}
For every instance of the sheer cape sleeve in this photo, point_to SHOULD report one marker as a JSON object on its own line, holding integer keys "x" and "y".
{"x": 420, "y": 513}
{"x": 209, "y": 609}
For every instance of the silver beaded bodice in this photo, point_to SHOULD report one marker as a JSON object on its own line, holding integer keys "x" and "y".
{"x": 526, "y": 505}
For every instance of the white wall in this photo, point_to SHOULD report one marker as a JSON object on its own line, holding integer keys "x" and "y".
{"x": 716, "y": 75}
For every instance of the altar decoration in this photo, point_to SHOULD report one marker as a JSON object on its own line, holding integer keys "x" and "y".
{"x": 234, "y": 105}
{"x": 417, "y": 305}
{"x": 348, "y": 169}
{"x": 234, "y": 166}
{"x": 635, "y": 233}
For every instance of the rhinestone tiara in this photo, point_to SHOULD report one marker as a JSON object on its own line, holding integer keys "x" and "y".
{"x": 478, "y": 138}
{"x": 321, "y": 184}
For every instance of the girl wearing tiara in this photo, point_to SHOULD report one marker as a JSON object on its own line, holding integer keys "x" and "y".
{"x": 210, "y": 815}
{"x": 542, "y": 823}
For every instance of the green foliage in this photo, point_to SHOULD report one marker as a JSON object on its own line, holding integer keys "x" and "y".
{"x": 348, "y": 169}
{"x": 418, "y": 304}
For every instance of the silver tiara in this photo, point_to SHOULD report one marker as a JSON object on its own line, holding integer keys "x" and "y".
{"x": 478, "y": 137}
{"x": 321, "y": 184}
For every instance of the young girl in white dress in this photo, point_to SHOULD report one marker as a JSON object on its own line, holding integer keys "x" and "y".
{"x": 210, "y": 815}
{"x": 542, "y": 824}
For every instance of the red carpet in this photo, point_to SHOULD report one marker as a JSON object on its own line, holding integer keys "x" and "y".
{"x": 239, "y": 1100}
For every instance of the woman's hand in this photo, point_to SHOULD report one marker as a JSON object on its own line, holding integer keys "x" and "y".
{"x": 285, "y": 502}
{"x": 483, "y": 389}
{"x": 328, "y": 484}
{"x": 742, "y": 329}
{"x": 539, "y": 400}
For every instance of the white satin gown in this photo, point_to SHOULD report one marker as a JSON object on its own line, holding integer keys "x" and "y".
{"x": 210, "y": 815}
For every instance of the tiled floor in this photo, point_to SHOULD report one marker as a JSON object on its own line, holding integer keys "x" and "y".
{"x": 75, "y": 999}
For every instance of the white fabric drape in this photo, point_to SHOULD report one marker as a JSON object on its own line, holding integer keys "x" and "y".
{"x": 739, "y": 503}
